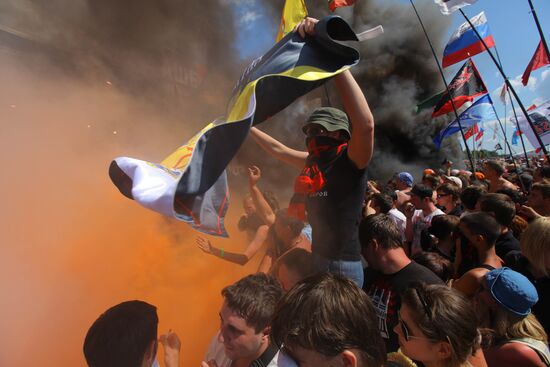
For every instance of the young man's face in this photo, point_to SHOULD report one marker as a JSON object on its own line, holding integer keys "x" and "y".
{"x": 239, "y": 339}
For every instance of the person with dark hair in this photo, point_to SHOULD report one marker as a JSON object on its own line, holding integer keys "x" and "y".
{"x": 542, "y": 173}
{"x": 439, "y": 265}
{"x": 442, "y": 235}
{"x": 295, "y": 265}
{"x": 245, "y": 324}
{"x": 333, "y": 181}
{"x": 494, "y": 171}
{"x": 385, "y": 204}
{"x": 431, "y": 180}
{"x": 469, "y": 198}
{"x": 538, "y": 201}
{"x": 126, "y": 336}
{"x": 438, "y": 327}
{"x": 482, "y": 231}
{"x": 389, "y": 271}
{"x": 503, "y": 209}
{"x": 447, "y": 199}
{"x": 419, "y": 215}
{"x": 326, "y": 320}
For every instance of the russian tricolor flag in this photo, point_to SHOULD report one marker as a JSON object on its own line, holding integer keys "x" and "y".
{"x": 464, "y": 43}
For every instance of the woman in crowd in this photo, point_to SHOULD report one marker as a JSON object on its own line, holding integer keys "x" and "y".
{"x": 514, "y": 336}
{"x": 438, "y": 327}
{"x": 448, "y": 196}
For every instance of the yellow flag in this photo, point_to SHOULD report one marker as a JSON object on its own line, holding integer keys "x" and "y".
{"x": 293, "y": 12}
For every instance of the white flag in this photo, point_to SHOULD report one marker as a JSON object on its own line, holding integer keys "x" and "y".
{"x": 449, "y": 6}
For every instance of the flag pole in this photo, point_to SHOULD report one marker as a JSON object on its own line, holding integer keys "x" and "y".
{"x": 511, "y": 88}
{"x": 446, "y": 87}
{"x": 539, "y": 27}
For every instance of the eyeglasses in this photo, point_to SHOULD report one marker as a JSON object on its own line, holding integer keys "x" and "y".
{"x": 314, "y": 130}
{"x": 439, "y": 196}
{"x": 405, "y": 330}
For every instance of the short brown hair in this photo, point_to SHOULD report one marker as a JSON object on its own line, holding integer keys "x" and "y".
{"x": 500, "y": 205}
{"x": 544, "y": 188}
{"x": 451, "y": 189}
{"x": 482, "y": 224}
{"x": 254, "y": 298}
{"x": 382, "y": 228}
{"x": 328, "y": 314}
{"x": 495, "y": 166}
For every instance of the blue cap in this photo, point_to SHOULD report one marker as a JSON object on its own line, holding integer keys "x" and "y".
{"x": 406, "y": 178}
{"x": 512, "y": 290}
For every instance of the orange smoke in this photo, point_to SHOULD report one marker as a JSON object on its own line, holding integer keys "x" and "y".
{"x": 72, "y": 245}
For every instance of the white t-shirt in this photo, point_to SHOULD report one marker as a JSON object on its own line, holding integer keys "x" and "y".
{"x": 421, "y": 222}
{"x": 400, "y": 221}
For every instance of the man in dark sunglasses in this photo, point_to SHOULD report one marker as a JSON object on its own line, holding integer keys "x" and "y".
{"x": 333, "y": 181}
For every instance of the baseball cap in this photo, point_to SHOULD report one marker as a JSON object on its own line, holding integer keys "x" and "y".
{"x": 512, "y": 290}
{"x": 406, "y": 178}
{"x": 332, "y": 119}
{"x": 455, "y": 180}
{"x": 421, "y": 191}
{"x": 429, "y": 171}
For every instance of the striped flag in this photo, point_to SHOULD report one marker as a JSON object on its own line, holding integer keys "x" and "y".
{"x": 293, "y": 12}
{"x": 191, "y": 183}
{"x": 464, "y": 42}
{"x": 479, "y": 134}
{"x": 471, "y": 132}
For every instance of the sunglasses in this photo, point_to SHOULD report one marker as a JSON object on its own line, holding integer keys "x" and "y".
{"x": 439, "y": 196}
{"x": 405, "y": 330}
{"x": 315, "y": 130}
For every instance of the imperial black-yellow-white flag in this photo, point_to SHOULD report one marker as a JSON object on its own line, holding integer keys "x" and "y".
{"x": 191, "y": 183}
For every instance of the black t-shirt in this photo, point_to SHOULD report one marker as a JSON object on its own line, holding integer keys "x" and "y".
{"x": 334, "y": 212}
{"x": 541, "y": 309}
{"x": 506, "y": 242}
{"x": 384, "y": 291}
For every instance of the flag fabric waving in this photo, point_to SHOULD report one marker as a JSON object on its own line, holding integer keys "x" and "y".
{"x": 481, "y": 110}
{"x": 293, "y": 12}
{"x": 515, "y": 136}
{"x": 191, "y": 183}
{"x": 479, "y": 134}
{"x": 540, "y": 116}
{"x": 333, "y": 4}
{"x": 503, "y": 92}
{"x": 498, "y": 146}
{"x": 449, "y": 6}
{"x": 471, "y": 132}
{"x": 465, "y": 86}
{"x": 539, "y": 59}
{"x": 464, "y": 42}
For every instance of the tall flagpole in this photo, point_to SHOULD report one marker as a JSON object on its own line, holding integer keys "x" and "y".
{"x": 539, "y": 27}
{"x": 542, "y": 146}
{"x": 447, "y": 88}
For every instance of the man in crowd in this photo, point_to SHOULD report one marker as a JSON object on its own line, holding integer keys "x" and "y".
{"x": 245, "y": 324}
{"x": 538, "y": 201}
{"x": 419, "y": 213}
{"x": 126, "y": 336}
{"x": 326, "y": 320}
{"x": 333, "y": 179}
{"x": 385, "y": 204}
{"x": 390, "y": 271}
{"x": 493, "y": 171}
{"x": 503, "y": 209}
{"x": 403, "y": 182}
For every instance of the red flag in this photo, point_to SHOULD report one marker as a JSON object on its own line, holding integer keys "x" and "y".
{"x": 532, "y": 107}
{"x": 538, "y": 150}
{"x": 479, "y": 134}
{"x": 471, "y": 131}
{"x": 503, "y": 93}
{"x": 540, "y": 58}
{"x": 465, "y": 86}
{"x": 333, "y": 4}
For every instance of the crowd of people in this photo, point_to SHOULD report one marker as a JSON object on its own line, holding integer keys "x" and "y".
{"x": 445, "y": 269}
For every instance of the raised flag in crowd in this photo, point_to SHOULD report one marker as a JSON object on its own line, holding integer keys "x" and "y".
{"x": 293, "y": 12}
{"x": 471, "y": 131}
{"x": 498, "y": 146}
{"x": 479, "y": 134}
{"x": 449, "y": 6}
{"x": 333, "y": 4}
{"x": 481, "y": 110}
{"x": 515, "y": 136}
{"x": 191, "y": 183}
{"x": 540, "y": 116}
{"x": 539, "y": 59}
{"x": 465, "y": 86}
{"x": 464, "y": 42}
{"x": 503, "y": 92}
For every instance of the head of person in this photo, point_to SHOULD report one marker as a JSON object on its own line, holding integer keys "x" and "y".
{"x": 326, "y": 320}
{"x": 295, "y": 265}
{"x": 403, "y": 181}
{"x": 500, "y": 206}
{"x": 378, "y": 234}
{"x": 431, "y": 181}
{"x": 436, "y": 263}
{"x": 447, "y": 196}
{"x": 287, "y": 227}
{"x": 539, "y": 197}
{"x": 526, "y": 181}
{"x": 421, "y": 196}
{"x": 123, "y": 336}
{"x": 470, "y": 196}
{"x": 493, "y": 169}
{"x": 481, "y": 229}
{"x": 437, "y": 325}
{"x": 381, "y": 203}
{"x": 443, "y": 227}
{"x": 246, "y": 313}
{"x": 327, "y": 125}
{"x": 542, "y": 173}
{"x": 535, "y": 244}
{"x": 509, "y": 297}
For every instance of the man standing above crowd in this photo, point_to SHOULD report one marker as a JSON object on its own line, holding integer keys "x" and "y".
{"x": 493, "y": 173}
{"x": 333, "y": 181}
{"x": 245, "y": 317}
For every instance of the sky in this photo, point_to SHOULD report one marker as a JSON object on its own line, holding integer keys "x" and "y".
{"x": 512, "y": 26}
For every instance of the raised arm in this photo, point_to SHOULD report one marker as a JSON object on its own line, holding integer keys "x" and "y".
{"x": 262, "y": 206}
{"x": 361, "y": 144}
{"x": 278, "y": 150}
{"x": 241, "y": 259}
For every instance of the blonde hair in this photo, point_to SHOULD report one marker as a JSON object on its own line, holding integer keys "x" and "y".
{"x": 535, "y": 243}
{"x": 508, "y": 326}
